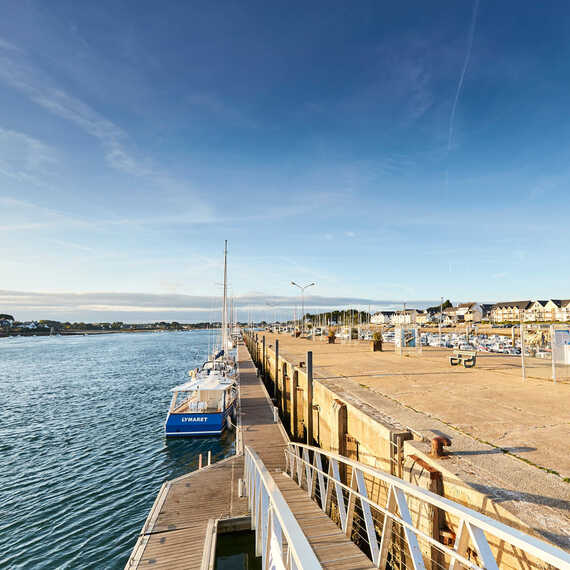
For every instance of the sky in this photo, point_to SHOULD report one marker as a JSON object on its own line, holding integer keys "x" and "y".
{"x": 389, "y": 152}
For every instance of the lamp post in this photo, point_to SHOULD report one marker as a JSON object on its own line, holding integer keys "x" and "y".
{"x": 303, "y": 287}
{"x": 440, "y": 317}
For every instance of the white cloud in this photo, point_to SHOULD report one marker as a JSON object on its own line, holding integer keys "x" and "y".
{"x": 141, "y": 306}
{"x": 25, "y": 158}
{"x": 17, "y": 72}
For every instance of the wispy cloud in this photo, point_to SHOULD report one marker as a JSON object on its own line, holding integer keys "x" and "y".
{"x": 212, "y": 105}
{"x": 17, "y": 72}
{"x": 25, "y": 158}
{"x": 463, "y": 72}
{"x": 23, "y": 215}
{"x": 141, "y": 306}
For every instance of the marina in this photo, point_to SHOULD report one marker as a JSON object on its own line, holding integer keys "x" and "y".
{"x": 376, "y": 374}
{"x": 312, "y": 507}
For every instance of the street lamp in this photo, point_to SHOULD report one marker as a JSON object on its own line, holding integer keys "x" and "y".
{"x": 440, "y": 317}
{"x": 303, "y": 287}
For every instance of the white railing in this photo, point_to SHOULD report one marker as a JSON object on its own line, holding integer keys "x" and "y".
{"x": 400, "y": 525}
{"x": 279, "y": 539}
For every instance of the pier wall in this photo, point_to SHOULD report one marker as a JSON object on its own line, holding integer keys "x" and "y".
{"x": 318, "y": 412}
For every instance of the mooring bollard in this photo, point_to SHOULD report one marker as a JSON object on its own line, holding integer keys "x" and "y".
{"x": 209, "y": 457}
{"x": 200, "y": 461}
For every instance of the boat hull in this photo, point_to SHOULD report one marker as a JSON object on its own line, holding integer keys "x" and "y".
{"x": 197, "y": 424}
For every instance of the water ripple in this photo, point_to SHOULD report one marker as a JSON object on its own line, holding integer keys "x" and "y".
{"x": 82, "y": 451}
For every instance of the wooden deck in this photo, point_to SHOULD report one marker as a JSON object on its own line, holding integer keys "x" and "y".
{"x": 179, "y": 523}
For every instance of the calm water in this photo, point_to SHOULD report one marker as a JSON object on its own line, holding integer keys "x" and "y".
{"x": 82, "y": 451}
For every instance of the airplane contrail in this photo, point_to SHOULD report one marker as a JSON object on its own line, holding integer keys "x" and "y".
{"x": 463, "y": 72}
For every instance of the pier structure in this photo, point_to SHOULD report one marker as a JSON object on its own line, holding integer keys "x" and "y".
{"x": 347, "y": 486}
{"x": 509, "y": 438}
{"x": 191, "y": 510}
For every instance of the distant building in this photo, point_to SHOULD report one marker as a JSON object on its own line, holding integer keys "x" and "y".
{"x": 509, "y": 311}
{"x": 406, "y": 317}
{"x": 449, "y": 316}
{"x": 536, "y": 311}
{"x": 382, "y": 318}
{"x": 468, "y": 313}
{"x": 486, "y": 309}
{"x": 423, "y": 317}
{"x": 558, "y": 309}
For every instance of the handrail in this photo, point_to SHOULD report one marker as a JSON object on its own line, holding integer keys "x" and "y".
{"x": 273, "y": 521}
{"x": 471, "y": 528}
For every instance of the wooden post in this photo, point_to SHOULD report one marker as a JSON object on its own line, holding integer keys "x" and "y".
{"x": 284, "y": 378}
{"x": 309, "y": 415}
{"x": 209, "y": 457}
{"x": 276, "y": 369}
{"x": 200, "y": 461}
{"x": 264, "y": 362}
{"x": 294, "y": 388}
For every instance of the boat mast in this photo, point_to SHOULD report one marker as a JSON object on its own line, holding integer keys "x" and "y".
{"x": 225, "y": 308}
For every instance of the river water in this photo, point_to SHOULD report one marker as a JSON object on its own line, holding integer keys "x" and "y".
{"x": 82, "y": 450}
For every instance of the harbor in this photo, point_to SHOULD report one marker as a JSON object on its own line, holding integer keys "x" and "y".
{"x": 298, "y": 390}
{"x": 284, "y": 286}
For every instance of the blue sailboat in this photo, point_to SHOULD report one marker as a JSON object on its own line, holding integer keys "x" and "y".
{"x": 203, "y": 405}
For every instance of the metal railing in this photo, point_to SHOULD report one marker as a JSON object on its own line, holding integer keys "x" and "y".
{"x": 279, "y": 539}
{"x": 400, "y": 525}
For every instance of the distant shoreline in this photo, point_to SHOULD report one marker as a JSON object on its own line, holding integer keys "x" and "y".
{"x": 5, "y": 334}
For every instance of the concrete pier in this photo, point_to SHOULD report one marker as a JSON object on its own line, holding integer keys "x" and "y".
{"x": 508, "y": 456}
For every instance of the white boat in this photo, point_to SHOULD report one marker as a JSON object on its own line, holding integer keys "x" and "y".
{"x": 202, "y": 405}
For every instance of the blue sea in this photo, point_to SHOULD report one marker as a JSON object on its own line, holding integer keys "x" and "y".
{"x": 82, "y": 449}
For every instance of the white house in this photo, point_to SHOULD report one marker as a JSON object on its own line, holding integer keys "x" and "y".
{"x": 468, "y": 313}
{"x": 423, "y": 317}
{"x": 382, "y": 318}
{"x": 558, "y": 310}
{"x": 406, "y": 317}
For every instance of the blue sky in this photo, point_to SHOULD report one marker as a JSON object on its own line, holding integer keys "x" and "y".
{"x": 385, "y": 151}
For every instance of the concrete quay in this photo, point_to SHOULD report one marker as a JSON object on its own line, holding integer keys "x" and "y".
{"x": 509, "y": 455}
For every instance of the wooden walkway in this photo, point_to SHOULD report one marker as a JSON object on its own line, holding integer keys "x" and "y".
{"x": 179, "y": 523}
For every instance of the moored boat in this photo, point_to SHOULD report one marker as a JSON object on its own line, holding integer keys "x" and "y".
{"x": 202, "y": 405}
